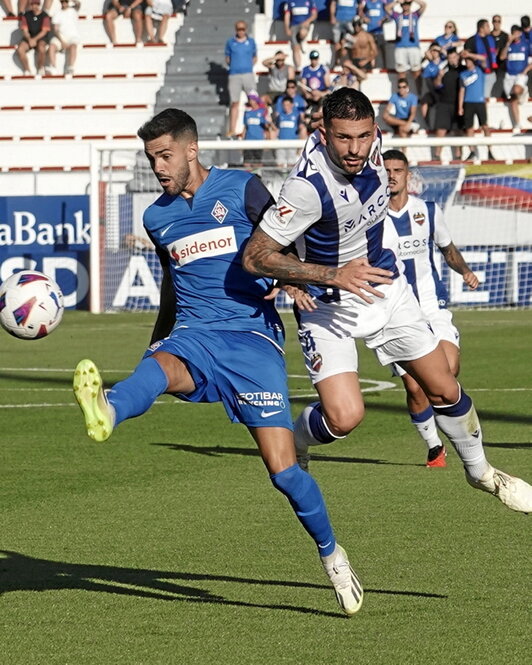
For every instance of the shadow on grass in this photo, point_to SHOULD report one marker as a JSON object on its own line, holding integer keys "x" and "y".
{"x": 217, "y": 451}
{"x": 19, "y": 572}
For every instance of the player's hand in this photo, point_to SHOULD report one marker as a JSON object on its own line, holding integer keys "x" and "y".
{"x": 471, "y": 280}
{"x": 302, "y": 298}
{"x": 356, "y": 275}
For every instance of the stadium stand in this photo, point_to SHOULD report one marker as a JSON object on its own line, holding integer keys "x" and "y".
{"x": 116, "y": 88}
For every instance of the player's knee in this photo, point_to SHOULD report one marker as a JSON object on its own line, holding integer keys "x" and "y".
{"x": 448, "y": 394}
{"x": 343, "y": 420}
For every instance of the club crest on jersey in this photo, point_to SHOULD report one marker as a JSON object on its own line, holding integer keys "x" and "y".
{"x": 419, "y": 218}
{"x": 376, "y": 157}
{"x": 343, "y": 194}
{"x": 219, "y": 212}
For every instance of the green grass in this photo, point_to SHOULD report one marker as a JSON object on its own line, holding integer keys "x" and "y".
{"x": 168, "y": 544}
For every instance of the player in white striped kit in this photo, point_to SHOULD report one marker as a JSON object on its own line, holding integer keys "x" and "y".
{"x": 333, "y": 205}
{"x": 418, "y": 228}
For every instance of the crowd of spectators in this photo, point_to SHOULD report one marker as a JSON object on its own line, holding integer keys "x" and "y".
{"x": 48, "y": 29}
{"x": 443, "y": 89}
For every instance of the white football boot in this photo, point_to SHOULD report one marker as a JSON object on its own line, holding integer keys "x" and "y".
{"x": 88, "y": 390}
{"x": 347, "y": 586}
{"x": 513, "y": 492}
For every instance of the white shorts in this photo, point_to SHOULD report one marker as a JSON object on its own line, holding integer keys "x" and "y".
{"x": 69, "y": 40}
{"x": 394, "y": 327}
{"x": 518, "y": 79}
{"x": 407, "y": 58}
{"x": 441, "y": 323}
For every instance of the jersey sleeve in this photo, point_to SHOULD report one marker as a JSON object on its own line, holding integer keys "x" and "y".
{"x": 442, "y": 235}
{"x": 257, "y": 199}
{"x": 298, "y": 207}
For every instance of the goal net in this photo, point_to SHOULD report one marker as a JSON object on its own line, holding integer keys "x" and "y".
{"x": 488, "y": 208}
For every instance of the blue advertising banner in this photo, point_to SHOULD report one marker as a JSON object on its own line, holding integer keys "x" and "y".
{"x": 50, "y": 234}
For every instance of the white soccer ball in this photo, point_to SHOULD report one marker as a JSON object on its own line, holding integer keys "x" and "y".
{"x": 31, "y": 305}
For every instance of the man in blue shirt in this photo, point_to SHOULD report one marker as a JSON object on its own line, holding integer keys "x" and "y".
{"x": 471, "y": 102}
{"x": 299, "y": 15}
{"x": 401, "y": 110}
{"x": 374, "y": 15}
{"x": 516, "y": 54}
{"x": 342, "y": 13}
{"x": 407, "y": 51}
{"x": 240, "y": 56}
{"x": 218, "y": 337}
{"x": 290, "y": 127}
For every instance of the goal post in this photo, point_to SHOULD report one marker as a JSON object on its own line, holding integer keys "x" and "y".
{"x": 488, "y": 207}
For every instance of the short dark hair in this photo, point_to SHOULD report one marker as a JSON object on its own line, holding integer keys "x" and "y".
{"x": 402, "y": 80}
{"x": 516, "y": 28}
{"x": 394, "y": 154}
{"x": 481, "y": 23}
{"x": 525, "y": 21}
{"x": 170, "y": 121}
{"x": 347, "y": 104}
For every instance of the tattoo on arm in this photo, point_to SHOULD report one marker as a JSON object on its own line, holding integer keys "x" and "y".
{"x": 454, "y": 259}
{"x": 263, "y": 257}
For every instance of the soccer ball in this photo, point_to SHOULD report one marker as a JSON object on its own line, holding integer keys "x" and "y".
{"x": 31, "y": 305}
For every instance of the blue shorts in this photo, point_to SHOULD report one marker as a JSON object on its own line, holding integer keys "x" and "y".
{"x": 242, "y": 369}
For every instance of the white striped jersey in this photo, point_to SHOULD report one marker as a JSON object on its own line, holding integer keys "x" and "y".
{"x": 419, "y": 229}
{"x": 333, "y": 217}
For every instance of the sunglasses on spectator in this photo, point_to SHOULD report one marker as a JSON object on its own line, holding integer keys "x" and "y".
{"x": 496, "y": 20}
{"x": 402, "y": 86}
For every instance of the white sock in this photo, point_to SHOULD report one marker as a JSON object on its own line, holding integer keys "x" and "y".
{"x": 425, "y": 423}
{"x": 459, "y": 422}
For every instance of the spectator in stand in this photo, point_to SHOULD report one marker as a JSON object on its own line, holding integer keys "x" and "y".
{"x": 527, "y": 34}
{"x": 471, "y": 102}
{"x": 501, "y": 39}
{"x": 65, "y": 36}
{"x": 257, "y": 125}
{"x": 360, "y": 51}
{"x": 289, "y": 124}
{"x": 300, "y": 103}
{"x": 35, "y": 25}
{"x": 481, "y": 46}
{"x": 299, "y": 15}
{"x": 449, "y": 39}
{"x": 240, "y": 56}
{"x": 279, "y": 73}
{"x": 156, "y": 16}
{"x": 315, "y": 79}
{"x": 431, "y": 66}
{"x": 8, "y": 8}
{"x": 129, "y": 9}
{"x": 447, "y": 85}
{"x": 407, "y": 50}
{"x": 401, "y": 110}
{"x": 345, "y": 79}
{"x": 342, "y": 13}
{"x": 516, "y": 54}
{"x": 374, "y": 16}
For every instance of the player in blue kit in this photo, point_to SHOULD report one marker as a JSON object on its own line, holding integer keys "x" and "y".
{"x": 414, "y": 228}
{"x": 217, "y": 337}
{"x": 333, "y": 206}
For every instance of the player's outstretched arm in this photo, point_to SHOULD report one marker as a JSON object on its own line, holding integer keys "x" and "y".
{"x": 167, "y": 306}
{"x": 454, "y": 259}
{"x": 263, "y": 256}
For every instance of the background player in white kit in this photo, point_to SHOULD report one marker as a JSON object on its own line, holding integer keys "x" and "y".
{"x": 333, "y": 205}
{"x": 418, "y": 227}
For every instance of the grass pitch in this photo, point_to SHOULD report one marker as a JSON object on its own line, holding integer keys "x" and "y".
{"x": 167, "y": 544}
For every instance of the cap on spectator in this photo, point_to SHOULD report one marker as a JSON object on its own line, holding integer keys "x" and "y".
{"x": 253, "y": 96}
{"x": 313, "y": 55}
{"x": 357, "y": 20}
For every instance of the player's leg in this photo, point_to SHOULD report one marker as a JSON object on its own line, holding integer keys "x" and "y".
{"x": 162, "y": 372}
{"x": 457, "y": 418}
{"x": 423, "y": 420}
{"x": 303, "y": 493}
{"x": 332, "y": 364}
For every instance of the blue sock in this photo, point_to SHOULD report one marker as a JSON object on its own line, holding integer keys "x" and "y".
{"x": 317, "y": 425}
{"x": 305, "y": 497}
{"x": 138, "y": 392}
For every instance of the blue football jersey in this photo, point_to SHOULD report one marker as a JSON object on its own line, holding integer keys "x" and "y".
{"x": 202, "y": 239}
